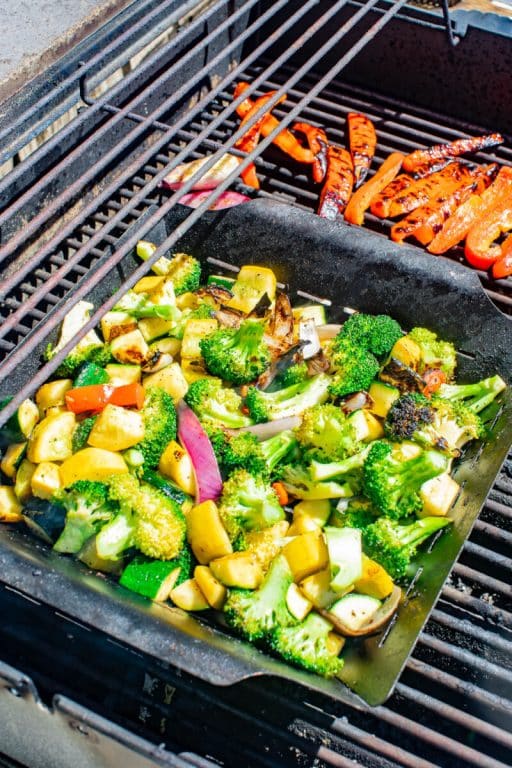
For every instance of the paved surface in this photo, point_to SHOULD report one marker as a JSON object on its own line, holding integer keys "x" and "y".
{"x": 36, "y": 33}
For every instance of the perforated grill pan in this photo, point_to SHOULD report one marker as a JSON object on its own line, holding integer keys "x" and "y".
{"x": 351, "y": 268}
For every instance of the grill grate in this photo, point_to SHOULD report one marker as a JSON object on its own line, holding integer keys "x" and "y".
{"x": 452, "y": 706}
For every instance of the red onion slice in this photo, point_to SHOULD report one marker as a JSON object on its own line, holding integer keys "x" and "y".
{"x": 226, "y": 199}
{"x": 195, "y": 441}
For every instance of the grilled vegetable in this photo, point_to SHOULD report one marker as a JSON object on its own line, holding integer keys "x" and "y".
{"x": 361, "y": 199}
{"x": 209, "y": 180}
{"x": 502, "y": 267}
{"x": 454, "y": 149}
{"x": 317, "y": 142}
{"x": 249, "y": 140}
{"x": 381, "y": 203}
{"x": 338, "y": 185}
{"x": 443, "y": 182}
{"x": 480, "y": 250}
{"x": 362, "y": 140}
{"x": 156, "y": 578}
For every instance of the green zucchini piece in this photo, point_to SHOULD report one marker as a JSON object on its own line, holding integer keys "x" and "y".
{"x": 12, "y": 458}
{"x": 81, "y": 433}
{"x": 223, "y": 280}
{"x": 355, "y": 610}
{"x": 345, "y": 556}
{"x": 45, "y": 518}
{"x": 314, "y": 312}
{"x": 167, "y": 487}
{"x": 90, "y": 557}
{"x": 20, "y": 424}
{"x": 152, "y": 578}
{"x": 90, "y": 373}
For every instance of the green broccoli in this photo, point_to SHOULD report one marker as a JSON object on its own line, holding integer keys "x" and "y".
{"x": 326, "y": 433}
{"x": 392, "y": 479}
{"x": 354, "y": 368}
{"x": 290, "y": 401}
{"x": 81, "y": 433}
{"x": 238, "y": 355}
{"x": 245, "y": 451}
{"x": 375, "y": 333}
{"x": 357, "y": 512}
{"x": 160, "y": 424}
{"x": 100, "y": 355}
{"x": 183, "y": 269}
{"x": 320, "y": 470}
{"x": 475, "y": 396}
{"x": 434, "y": 423}
{"x": 88, "y": 508}
{"x": 255, "y": 613}
{"x": 394, "y": 545}
{"x": 306, "y": 645}
{"x": 435, "y": 353}
{"x": 294, "y": 374}
{"x": 247, "y": 503}
{"x": 211, "y": 402}
{"x": 141, "y": 305}
{"x": 298, "y": 482}
{"x": 147, "y": 519}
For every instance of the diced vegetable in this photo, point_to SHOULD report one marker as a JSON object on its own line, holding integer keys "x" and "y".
{"x": 374, "y": 581}
{"x": 354, "y": 611}
{"x": 152, "y": 578}
{"x": 12, "y": 459}
{"x": 130, "y": 348}
{"x": 317, "y": 589}
{"x": 298, "y": 604}
{"x": 176, "y": 464}
{"x": 52, "y": 438}
{"x": 10, "y": 507}
{"x": 53, "y": 393}
{"x": 383, "y": 396}
{"x": 171, "y": 379}
{"x": 438, "y": 495}
{"x": 116, "y": 429}
{"x": 213, "y": 590}
{"x": 240, "y": 569}
{"x": 45, "y": 518}
{"x": 345, "y": 556}
{"x": 91, "y": 464}
{"x": 206, "y": 533}
{"x": 119, "y": 374}
{"x": 23, "y": 481}
{"x": 189, "y": 597}
{"x": 251, "y": 284}
{"x": 20, "y": 425}
{"x": 45, "y": 480}
{"x": 195, "y": 331}
{"x": 306, "y": 554}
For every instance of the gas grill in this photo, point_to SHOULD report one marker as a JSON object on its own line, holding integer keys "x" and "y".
{"x": 158, "y": 93}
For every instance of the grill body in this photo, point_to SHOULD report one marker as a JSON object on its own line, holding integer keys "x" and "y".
{"x": 452, "y": 704}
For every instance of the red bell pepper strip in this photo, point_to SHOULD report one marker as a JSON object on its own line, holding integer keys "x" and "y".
{"x": 317, "y": 141}
{"x": 339, "y": 182}
{"x": 285, "y": 140}
{"x": 249, "y": 140}
{"x": 503, "y": 266}
{"x": 362, "y": 140}
{"x": 420, "y": 192}
{"x": 96, "y": 396}
{"x": 362, "y": 197}
{"x": 381, "y": 203}
{"x": 458, "y": 225}
{"x": 480, "y": 250}
{"x": 453, "y": 149}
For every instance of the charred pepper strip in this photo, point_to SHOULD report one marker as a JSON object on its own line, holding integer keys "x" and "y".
{"x": 285, "y": 140}
{"x": 503, "y": 266}
{"x": 458, "y": 225}
{"x": 318, "y": 143}
{"x": 424, "y": 222}
{"x": 339, "y": 182}
{"x": 362, "y": 140}
{"x": 249, "y": 140}
{"x": 361, "y": 199}
{"x": 453, "y": 149}
{"x": 423, "y": 190}
{"x": 427, "y": 168}
{"x": 381, "y": 203}
{"x": 480, "y": 250}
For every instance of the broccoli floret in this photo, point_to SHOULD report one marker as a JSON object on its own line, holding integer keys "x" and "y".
{"x": 248, "y": 504}
{"x": 321, "y": 470}
{"x": 211, "y": 402}
{"x": 238, "y": 355}
{"x": 139, "y": 306}
{"x": 255, "y": 613}
{"x": 456, "y": 423}
{"x": 89, "y": 348}
{"x": 290, "y": 401}
{"x": 353, "y": 513}
{"x": 160, "y": 423}
{"x": 394, "y": 545}
{"x": 298, "y": 482}
{"x": 265, "y": 545}
{"x": 354, "y": 368}
{"x": 475, "y": 396}
{"x": 326, "y": 433}
{"x": 435, "y": 353}
{"x": 81, "y": 433}
{"x": 375, "y": 333}
{"x": 183, "y": 269}
{"x": 88, "y": 508}
{"x": 306, "y": 645}
{"x": 147, "y": 519}
{"x": 392, "y": 480}
{"x": 100, "y": 355}
{"x": 294, "y": 374}
{"x": 245, "y": 451}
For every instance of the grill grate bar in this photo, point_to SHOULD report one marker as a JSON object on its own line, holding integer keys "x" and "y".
{"x": 197, "y": 213}
{"x": 497, "y": 506}
{"x": 479, "y": 607}
{"x": 448, "y": 650}
{"x": 473, "y": 630}
{"x": 488, "y": 582}
{"x": 501, "y": 536}
{"x": 494, "y": 557}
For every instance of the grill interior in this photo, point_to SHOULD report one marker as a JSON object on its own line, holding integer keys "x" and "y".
{"x": 64, "y": 209}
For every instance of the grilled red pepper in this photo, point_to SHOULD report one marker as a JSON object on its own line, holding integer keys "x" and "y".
{"x": 362, "y": 140}
{"x": 480, "y": 249}
{"x": 317, "y": 141}
{"x": 454, "y": 149}
{"x": 422, "y": 191}
{"x": 96, "y": 396}
{"x": 339, "y": 182}
{"x": 503, "y": 266}
{"x": 381, "y": 203}
{"x": 285, "y": 140}
{"x": 249, "y": 140}
{"x": 361, "y": 199}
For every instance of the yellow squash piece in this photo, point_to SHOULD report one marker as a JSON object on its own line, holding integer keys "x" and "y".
{"x": 306, "y": 554}
{"x": 23, "y": 482}
{"x": 116, "y": 429}
{"x": 251, "y": 284}
{"x": 206, "y": 533}
{"x": 148, "y": 283}
{"x": 53, "y": 394}
{"x": 213, "y": 590}
{"x": 176, "y": 464}
{"x": 171, "y": 379}
{"x": 114, "y": 324}
{"x": 195, "y": 331}
{"x": 130, "y": 348}
{"x": 189, "y": 597}
{"x": 317, "y": 589}
{"x": 12, "y": 458}
{"x": 119, "y": 375}
{"x": 318, "y": 510}
{"x": 154, "y": 327}
{"x": 407, "y": 351}
{"x": 241, "y": 569}
{"x": 51, "y": 439}
{"x": 45, "y": 480}
{"x": 438, "y": 495}
{"x": 10, "y": 507}
{"x": 375, "y": 581}
{"x": 91, "y": 464}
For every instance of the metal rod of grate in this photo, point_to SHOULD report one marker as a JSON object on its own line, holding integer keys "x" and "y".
{"x": 103, "y": 269}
